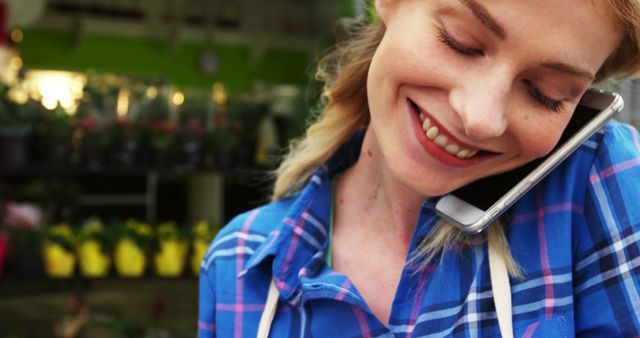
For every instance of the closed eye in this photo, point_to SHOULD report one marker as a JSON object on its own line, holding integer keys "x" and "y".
{"x": 456, "y": 46}
{"x": 541, "y": 98}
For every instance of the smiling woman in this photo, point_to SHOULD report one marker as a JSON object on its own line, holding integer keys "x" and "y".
{"x": 427, "y": 98}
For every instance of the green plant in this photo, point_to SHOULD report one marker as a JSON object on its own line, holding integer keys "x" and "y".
{"x": 16, "y": 117}
{"x": 224, "y": 135}
{"x": 247, "y": 114}
{"x": 95, "y": 132}
{"x": 139, "y": 232}
{"x": 61, "y": 234}
{"x": 55, "y": 126}
{"x": 94, "y": 230}
{"x": 204, "y": 231}
{"x": 169, "y": 231}
{"x": 161, "y": 135}
{"x": 126, "y": 131}
{"x": 155, "y": 110}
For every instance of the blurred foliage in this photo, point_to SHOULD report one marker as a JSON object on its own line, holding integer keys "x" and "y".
{"x": 61, "y": 234}
{"x": 94, "y": 230}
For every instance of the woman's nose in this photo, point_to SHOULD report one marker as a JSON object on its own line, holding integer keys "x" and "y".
{"x": 481, "y": 105}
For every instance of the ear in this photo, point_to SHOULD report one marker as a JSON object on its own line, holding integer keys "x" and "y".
{"x": 383, "y": 9}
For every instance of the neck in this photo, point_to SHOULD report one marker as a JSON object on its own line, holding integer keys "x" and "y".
{"x": 385, "y": 205}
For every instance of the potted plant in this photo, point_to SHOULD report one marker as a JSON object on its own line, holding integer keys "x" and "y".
{"x": 95, "y": 141}
{"x": 247, "y": 114}
{"x": 54, "y": 137}
{"x": 57, "y": 250}
{"x": 190, "y": 140}
{"x": 130, "y": 252}
{"x": 126, "y": 140}
{"x": 221, "y": 143}
{"x": 202, "y": 233}
{"x": 154, "y": 114}
{"x": 171, "y": 250}
{"x": 95, "y": 243}
{"x": 16, "y": 121}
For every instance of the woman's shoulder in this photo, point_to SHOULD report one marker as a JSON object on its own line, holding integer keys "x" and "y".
{"x": 611, "y": 151}
{"x": 241, "y": 237}
{"x": 620, "y": 142}
{"x": 259, "y": 221}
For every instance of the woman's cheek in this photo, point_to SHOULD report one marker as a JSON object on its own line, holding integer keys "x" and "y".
{"x": 540, "y": 143}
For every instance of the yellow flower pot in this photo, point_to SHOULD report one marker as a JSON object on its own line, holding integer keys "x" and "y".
{"x": 130, "y": 260}
{"x": 170, "y": 259}
{"x": 199, "y": 249}
{"x": 58, "y": 262}
{"x": 93, "y": 261}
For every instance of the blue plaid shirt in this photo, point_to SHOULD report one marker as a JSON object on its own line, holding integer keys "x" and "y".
{"x": 576, "y": 234}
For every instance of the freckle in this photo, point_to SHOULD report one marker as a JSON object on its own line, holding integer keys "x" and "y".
{"x": 340, "y": 201}
{"x": 369, "y": 153}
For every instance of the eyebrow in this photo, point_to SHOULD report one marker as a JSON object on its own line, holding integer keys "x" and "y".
{"x": 568, "y": 69}
{"x": 485, "y": 17}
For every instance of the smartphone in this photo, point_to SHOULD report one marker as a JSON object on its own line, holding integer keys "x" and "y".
{"x": 473, "y": 207}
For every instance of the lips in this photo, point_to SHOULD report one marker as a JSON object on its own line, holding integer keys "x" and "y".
{"x": 441, "y": 144}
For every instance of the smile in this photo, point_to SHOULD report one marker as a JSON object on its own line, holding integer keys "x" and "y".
{"x": 441, "y": 144}
{"x": 433, "y": 133}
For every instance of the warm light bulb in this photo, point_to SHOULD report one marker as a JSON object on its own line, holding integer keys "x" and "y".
{"x": 16, "y": 35}
{"x": 219, "y": 93}
{"x": 56, "y": 88}
{"x": 49, "y": 102}
{"x": 15, "y": 63}
{"x": 152, "y": 92}
{"x": 178, "y": 98}
{"x": 122, "y": 107}
{"x": 18, "y": 95}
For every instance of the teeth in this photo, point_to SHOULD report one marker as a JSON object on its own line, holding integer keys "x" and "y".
{"x": 426, "y": 124}
{"x": 441, "y": 141}
{"x": 432, "y": 132}
{"x": 453, "y": 149}
{"x": 464, "y": 153}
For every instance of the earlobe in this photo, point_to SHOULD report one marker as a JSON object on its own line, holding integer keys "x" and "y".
{"x": 383, "y": 9}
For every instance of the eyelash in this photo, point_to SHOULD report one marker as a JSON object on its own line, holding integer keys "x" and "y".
{"x": 536, "y": 94}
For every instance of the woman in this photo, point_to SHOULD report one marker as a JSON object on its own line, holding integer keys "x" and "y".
{"x": 351, "y": 241}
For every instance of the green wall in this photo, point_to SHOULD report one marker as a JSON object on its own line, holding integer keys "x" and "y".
{"x": 148, "y": 57}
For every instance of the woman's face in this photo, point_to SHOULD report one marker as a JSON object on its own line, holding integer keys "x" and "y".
{"x": 496, "y": 82}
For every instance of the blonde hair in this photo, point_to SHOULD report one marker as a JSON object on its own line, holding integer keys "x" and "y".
{"x": 344, "y": 97}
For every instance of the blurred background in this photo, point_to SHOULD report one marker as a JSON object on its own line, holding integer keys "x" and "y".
{"x": 130, "y": 132}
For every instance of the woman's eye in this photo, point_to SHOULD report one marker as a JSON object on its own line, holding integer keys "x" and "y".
{"x": 544, "y": 100}
{"x": 452, "y": 43}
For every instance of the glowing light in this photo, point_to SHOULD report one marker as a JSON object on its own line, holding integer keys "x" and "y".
{"x": 122, "y": 107}
{"x": 15, "y": 63}
{"x": 18, "y": 95}
{"x": 178, "y": 98}
{"x": 49, "y": 102}
{"x": 152, "y": 92}
{"x": 219, "y": 93}
{"x": 53, "y": 88}
{"x": 16, "y": 35}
